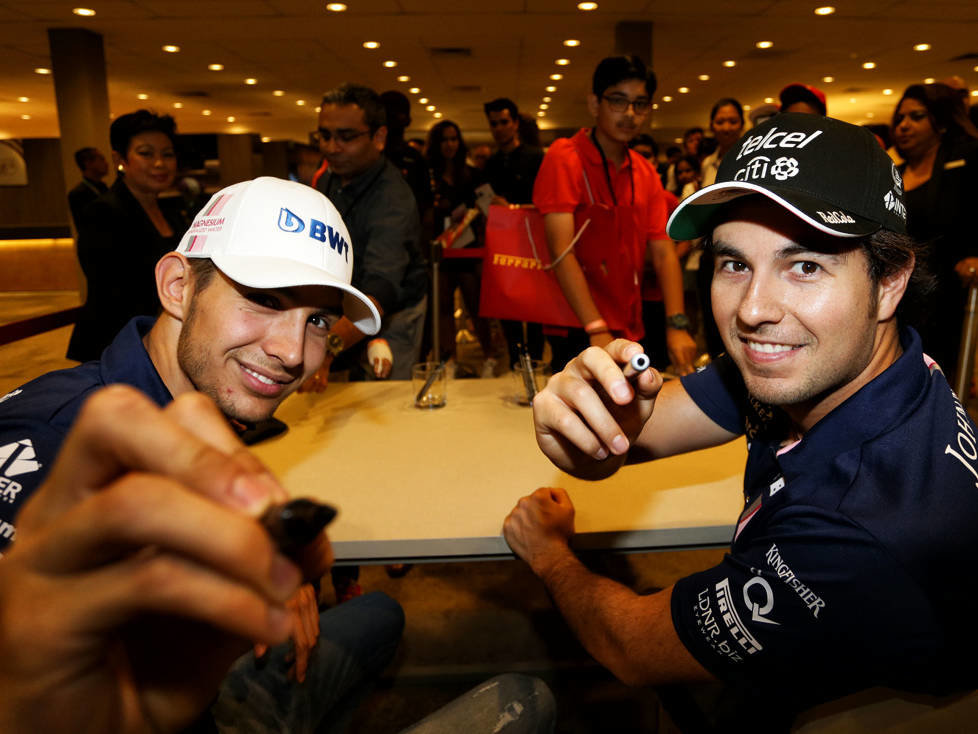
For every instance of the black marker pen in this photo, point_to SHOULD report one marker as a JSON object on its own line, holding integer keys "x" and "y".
{"x": 295, "y": 524}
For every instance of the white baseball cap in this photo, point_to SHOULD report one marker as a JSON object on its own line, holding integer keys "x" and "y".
{"x": 273, "y": 233}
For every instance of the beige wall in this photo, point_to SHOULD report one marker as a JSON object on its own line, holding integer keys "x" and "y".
{"x": 42, "y": 203}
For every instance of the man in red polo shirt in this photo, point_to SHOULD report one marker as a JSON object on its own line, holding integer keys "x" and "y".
{"x": 593, "y": 181}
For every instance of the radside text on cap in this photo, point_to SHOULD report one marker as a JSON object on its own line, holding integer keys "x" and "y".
{"x": 273, "y": 233}
{"x": 830, "y": 174}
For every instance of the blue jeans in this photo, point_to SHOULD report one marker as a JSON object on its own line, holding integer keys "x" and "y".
{"x": 357, "y": 640}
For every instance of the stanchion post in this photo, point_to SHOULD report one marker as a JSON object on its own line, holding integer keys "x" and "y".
{"x": 969, "y": 339}
{"x": 436, "y": 253}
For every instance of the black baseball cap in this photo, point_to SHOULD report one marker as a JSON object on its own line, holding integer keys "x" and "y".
{"x": 833, "y": 175}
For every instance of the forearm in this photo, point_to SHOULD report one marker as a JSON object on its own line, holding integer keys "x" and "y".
{"x": 574, "y": 285}
{"x": 669, "y": 275}
{"x": 348, "y": 332}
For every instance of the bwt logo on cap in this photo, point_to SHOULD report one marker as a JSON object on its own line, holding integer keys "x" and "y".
{"x": 289, "y": 221}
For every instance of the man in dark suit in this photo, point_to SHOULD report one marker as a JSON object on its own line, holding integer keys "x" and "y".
{"x": 94, "y": 168}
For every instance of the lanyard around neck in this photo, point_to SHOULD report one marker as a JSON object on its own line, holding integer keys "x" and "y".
{"x": 607, "y": 176}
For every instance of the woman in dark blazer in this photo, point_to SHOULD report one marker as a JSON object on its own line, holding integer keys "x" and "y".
{"x": 125, "y": 231}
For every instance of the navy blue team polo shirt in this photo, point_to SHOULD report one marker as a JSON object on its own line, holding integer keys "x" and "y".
{"x": 35, "y": 418}
{"x": 853, "y": 559}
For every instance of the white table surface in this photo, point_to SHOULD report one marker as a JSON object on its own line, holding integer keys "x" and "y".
{"x": 414, "y": 485}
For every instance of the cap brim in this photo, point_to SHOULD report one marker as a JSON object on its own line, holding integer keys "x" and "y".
{"x": 283, "y": 273}
{"x": 693, "y": 217}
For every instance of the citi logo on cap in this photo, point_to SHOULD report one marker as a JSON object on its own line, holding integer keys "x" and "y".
{"x": 289, "y": 221}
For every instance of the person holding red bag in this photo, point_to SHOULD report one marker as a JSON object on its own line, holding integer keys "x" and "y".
{"x": 594, "y": 178}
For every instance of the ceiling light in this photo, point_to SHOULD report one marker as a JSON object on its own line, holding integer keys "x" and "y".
{"x": 231, "y": 118}
{"x": 921, "y": 47}
{"x": 23, "y": 99}
{"x": 300, "y": 102}
{"x": 541, "y": 113}
{"x": 42, "y": 70}
{"x": 769, "y": 100}
{"x": 677, "y": 140}
{"x": 852, "y": 100}
{"x": 544, "y": 106}
{"x": 371, "y": 44}
{"x": 562, "y": 62}
{"x": 869, "y": 64}
{"x": 730, "y": 63}
{"x": 887, "y": 92}
{"x": 430, "y": 108}
{"x": 684, "y": 90}
{"x": 572, "y": 43}
{"x": 437, "y": 115}
{"x": 929, "y": 80}
{"x": 279, "y": 93}
{"x": 870, "y": 114}
{"x": 335, "y": 7}
{"x": 390, "y": 63}
{"x": 205, "y": 113}
{"x": 215, "y": 67}
{"x": 552, "y": 88}
{"x": 746, "y": 106}
{"x": 667, "y": 98}
{"x": 975, "y": 93}
{"x": 764, "y": 44}
{"x": 403, "y": 78}
{"x": 266, "y": 139}
{"x": 318, "y": 109}
{"x": 84, "y": 12}
{"x": 171, "y": 49}
{"x": 704, "y": 77}
{"x": 824, "y": 10}
{"x": 587, "y": 6}
{"x": 556, "y": 77}
{"x": 545, "y": 99}
{"x": 423, "y": 100}
{"x": 178, "y": 105}
{"x": 828, "y": 79}
{"x": 142, "y": 96}
{"x": 655, "y": 105}
{"x": 415, "y": 90}
{"x": 251, "y": 81}
{"x": 25, "y": 117}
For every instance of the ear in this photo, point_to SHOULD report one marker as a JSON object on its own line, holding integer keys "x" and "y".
{"x": 174, "y": 284}
{"x": 890, "y": 291}
{"x": 380, "y": 138}
{"x": 592, "y": 105}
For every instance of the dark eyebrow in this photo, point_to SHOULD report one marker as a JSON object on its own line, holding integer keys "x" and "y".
{"x": 794, "y": 250}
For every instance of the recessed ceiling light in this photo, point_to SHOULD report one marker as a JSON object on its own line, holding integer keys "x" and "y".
{"x": 887, "y": 92}
{"x": 403, "y": 78}
{"x": 251, "y": 81}
{"x": 430, "y": 108}
{"x": 437, "y": 115}
{"x": 746, "y": 106}
{"x": 266, "y": 139}
{"x": 142, "y": 95}
{"x": 335, "y": 7}
{"x": 824, "y": 10}
{"x": 764, "y": 44}
{"x": 423, "y": 100}
{"x": 371, "y": 44}
{"x": 415, "y": 90}
{"x": 42, "y": 70}
{"x": 769, "y": 100}
{"x": 84, "y": 12}
{"x": 390, "y": 63}
{"x": 25, "y": 117}
{"x": 730, "y": 63}
{"x": 587, "y": 6}
{"x": 541, "y": 113}
{"x": 704, "y": 77}
{"x": 279, "y": 93}
{"x": 171, "y": 49}
{"x": 684, "y": 90}
{"x": 975, "y": 69}
{"x": 655, "y": 105}
{"x": 544, "y": 106}
{"x": 318, "y": 109}
{"x": 545, "y": 99}
{"x": 552, "y": 88}
{"x": 869, "y": 64}
{"x": 852, "y": 100}
{"x": 205, "y": 113}
{"x": 974, "y": 93}
{"x": 562, "y": 62}
{"x": 667, "y": 98}
{"x": 828, "y": 79}
{"x": 300, "y": 103}
{"x": 178, "y": 105}
{"x": 572, "y": 43}
{"x": 556, "y": 77}
{"x": 215, "y": 67}
{"x": 231, "y": 118}
{"x": 677, "y": 140}
{"x": 921, "y": 47}
{"x": 929, "y": 80}
{"x": 23, "y": 99}
{"x": 870, "y": 114}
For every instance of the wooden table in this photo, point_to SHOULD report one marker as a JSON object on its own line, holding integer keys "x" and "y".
{"x": 415, "y": 485}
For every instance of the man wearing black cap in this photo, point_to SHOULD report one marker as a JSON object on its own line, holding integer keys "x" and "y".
{"x": 848, "y": 567}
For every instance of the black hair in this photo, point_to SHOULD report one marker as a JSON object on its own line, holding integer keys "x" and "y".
{"x": 693, "y": 130}
{"x": 374, "y": 114}
{"x": 946, "y": 109}
{"x": 645, "y": 139}
{"x": 502, "y": 103}
{"x": 125, "y": 127}
{"x": 723, "y": 102}
{"x": 83, "y": 156}
{"x": 616, "y": 69}
{"x": 432, "y": 151}
{"x": 203, "y": 269}
{"x": 397, "y": 108}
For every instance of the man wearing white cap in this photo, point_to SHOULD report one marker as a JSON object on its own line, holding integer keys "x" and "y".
{"x": 850, "y": 564}
{"x": 247, "y": 299}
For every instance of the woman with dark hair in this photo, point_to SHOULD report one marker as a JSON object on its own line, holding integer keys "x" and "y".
{"x": 453, "y": 184}
{"x": 939, "y": 145}
{"x": 125, "y": 231}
